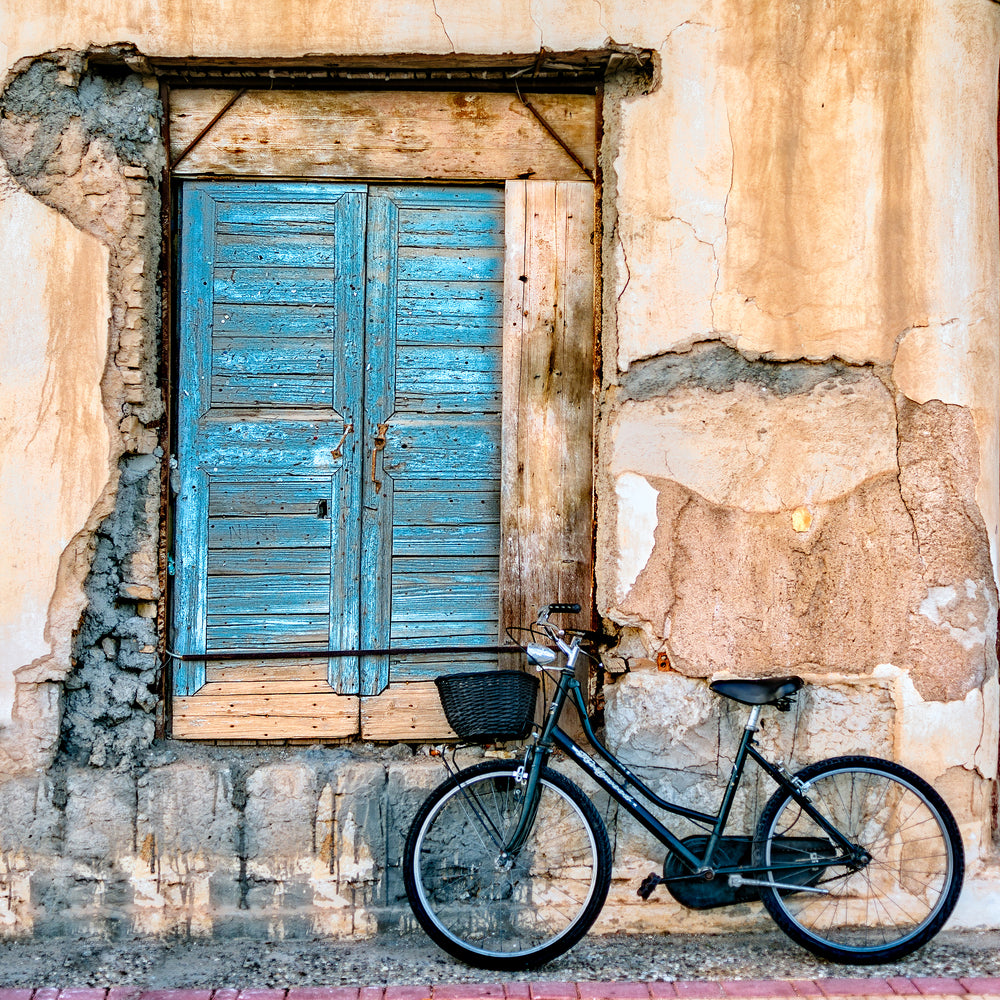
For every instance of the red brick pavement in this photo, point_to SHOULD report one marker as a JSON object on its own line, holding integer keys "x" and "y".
{"x": 818, "y": 989}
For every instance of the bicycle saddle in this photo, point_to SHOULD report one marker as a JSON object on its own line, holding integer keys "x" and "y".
{"x": 766, "y": 691}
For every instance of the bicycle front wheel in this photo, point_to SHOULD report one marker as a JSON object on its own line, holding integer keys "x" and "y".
{"x": 875, "y": 910}
{"x": 515, "y": 912}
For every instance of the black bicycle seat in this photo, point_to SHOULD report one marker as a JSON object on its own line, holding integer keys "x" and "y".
{"x": 765, "y": 691}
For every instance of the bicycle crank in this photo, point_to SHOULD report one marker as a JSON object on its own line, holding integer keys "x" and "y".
{"x": 735, "y": 881}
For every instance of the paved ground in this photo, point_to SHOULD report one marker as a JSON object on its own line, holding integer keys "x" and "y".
{"x": 661, "y": 967}
{"x": 894, "y": 988}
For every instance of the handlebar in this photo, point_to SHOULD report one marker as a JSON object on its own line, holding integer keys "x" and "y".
{"x": 559, "y": 609}
{"x": 580, "y": 634}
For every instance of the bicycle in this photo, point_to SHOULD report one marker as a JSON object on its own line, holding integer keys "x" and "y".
{"x": 507, "y": 863}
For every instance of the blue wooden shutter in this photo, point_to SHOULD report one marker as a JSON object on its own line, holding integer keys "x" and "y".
{"x": 270, "y": 376}
{"x": 431, "y": 508}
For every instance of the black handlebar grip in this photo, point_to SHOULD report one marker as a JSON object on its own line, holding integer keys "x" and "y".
{"x": 563, "y": 609}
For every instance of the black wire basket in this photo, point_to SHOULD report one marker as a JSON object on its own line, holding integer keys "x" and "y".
{"x": 491, "y": 707}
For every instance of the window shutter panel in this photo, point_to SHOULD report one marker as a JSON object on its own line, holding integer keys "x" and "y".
{"x": 548, "y": 377}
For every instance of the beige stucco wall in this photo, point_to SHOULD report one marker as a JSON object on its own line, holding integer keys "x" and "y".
{"x": 803, "y": 183}
{"x": 54, "y": 465}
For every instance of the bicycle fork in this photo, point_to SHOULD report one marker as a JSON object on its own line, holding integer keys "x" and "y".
{"x": 529, "y": 775}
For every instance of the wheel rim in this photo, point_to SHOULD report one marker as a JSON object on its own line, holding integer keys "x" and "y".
{"x": 894, "y": 896}
{"x": 497, "y": 906}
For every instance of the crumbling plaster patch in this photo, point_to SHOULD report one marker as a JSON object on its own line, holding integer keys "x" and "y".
{"x": 770, "y": 452}
{"x": 933, "y": 736}
{"x": 86, "y": 142}
{"x": 890, "y": 566}
{"x": 636, "y": 501}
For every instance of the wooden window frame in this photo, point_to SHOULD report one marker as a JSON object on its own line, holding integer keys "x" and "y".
{"x": 547, "y": 506}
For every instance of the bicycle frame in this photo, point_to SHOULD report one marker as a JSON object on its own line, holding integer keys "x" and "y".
{"x": 551, "y": 737}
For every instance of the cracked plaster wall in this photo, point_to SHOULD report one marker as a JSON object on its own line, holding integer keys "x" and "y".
{"x": 798, "y": 452}
{"x": 799, "y": 433}
{"x": 84, "y": 142}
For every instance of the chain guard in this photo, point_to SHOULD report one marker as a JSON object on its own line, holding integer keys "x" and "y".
{"x": 697, "y": 894}
{"x": 737, "y": 852}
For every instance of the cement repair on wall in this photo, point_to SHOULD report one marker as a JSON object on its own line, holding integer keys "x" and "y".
{"x": 797, "y": 466}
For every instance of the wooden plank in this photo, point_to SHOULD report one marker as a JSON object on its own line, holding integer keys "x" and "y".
{"x": 279, "y": 671}
{"x": 214, "y": 715}
{"x": 457, "y": 379}
{"x": 479, "y": 331}
{"x": 277, "y": 531}
{"x": 276, "y": 358}
{"x": 426, "y": 503}
{"x": 250, "y": 441}
{"x": 290, "y": 495}
{"x": 408, "y": 669}
{"x": 376, "y": 486}
{"x": 269, "y": 595}
{"x": 457, "y": 303}
{"x": 429, "y": 228}
{"x": 460, "y": 446}
{"x": 405, "y": 712}
{"x": 273, "y": 320}
{"x": 252, "y": 688}
{"x": 547, "y": 481}
{"x": 406, "y": 135}
{"x": 230, "y": 632}
{"x": 278, "y": 249}
{"x": 450, "y": 263}
{"x": 257, "y": 561}
{"x": 444, "y": 540}
{"x": 278, "y": 286}
{"x": 196, "y": 310}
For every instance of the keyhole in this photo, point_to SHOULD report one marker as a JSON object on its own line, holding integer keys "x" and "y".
{"x": 321, "y": 510}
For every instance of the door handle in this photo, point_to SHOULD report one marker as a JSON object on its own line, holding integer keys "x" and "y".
{"x": 336, "y": 452}
{"x": 378, "y": 446}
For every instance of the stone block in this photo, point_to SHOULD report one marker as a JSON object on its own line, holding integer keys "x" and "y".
{"x": 350, "y": 839}
{"x": 408, "y": 783}
{"x": 100, "y": 817}
{"x": 280, "y": 808}
{"x": 29, "y": 820}
{"x": 186, "y": 808}
{"x": 664, "y": 720}
{"x": 129, "y": 357}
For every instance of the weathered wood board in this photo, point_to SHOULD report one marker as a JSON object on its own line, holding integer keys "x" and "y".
{"x": 272, "y": 714}
{"x": 412, "y": 135}
{"x": 547, "y": 477}
{"x": 408, "y": 712}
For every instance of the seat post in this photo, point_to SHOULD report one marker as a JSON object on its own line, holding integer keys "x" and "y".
{"x": 754, "y": 718}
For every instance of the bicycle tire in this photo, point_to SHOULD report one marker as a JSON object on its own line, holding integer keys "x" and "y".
{"x": 517, "y": 916}
{"x": 890, "y": 906}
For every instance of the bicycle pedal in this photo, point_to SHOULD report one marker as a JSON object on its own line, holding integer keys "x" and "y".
{"x": 649, "y": 883}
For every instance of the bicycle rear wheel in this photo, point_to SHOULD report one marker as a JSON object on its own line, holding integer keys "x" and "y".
{"x": 878, "y": 911}
{"x": 516, "y": 913}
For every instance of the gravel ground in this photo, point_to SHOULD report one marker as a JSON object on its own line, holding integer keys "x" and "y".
{"x": 415, "y": 960}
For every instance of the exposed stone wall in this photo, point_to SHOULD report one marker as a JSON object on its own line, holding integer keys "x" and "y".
{"x": 114, "y": 691}
{"x": 264, "y": 842}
